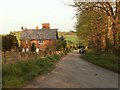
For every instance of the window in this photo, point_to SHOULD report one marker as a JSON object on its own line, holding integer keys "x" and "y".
{"x": 40, "y": 41}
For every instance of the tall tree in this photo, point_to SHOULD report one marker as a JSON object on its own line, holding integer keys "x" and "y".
{"x": 110, "y": 8}
{"x": 9, "y": 42}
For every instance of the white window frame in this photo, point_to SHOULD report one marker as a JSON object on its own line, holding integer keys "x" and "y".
{"x": 40, "y": 41}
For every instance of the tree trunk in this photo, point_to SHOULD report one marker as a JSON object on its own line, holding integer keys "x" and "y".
{"x": 114, "y": 34}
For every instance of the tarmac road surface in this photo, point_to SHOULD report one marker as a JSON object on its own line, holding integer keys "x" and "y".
{"x": 73, "y": 72}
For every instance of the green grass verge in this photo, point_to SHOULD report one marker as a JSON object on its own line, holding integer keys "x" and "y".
{"x": 19, "y": 74}
{"x": 104, "y": 60}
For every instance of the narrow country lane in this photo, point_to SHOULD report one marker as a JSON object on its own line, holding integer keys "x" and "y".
{"x": 73, "y": 72}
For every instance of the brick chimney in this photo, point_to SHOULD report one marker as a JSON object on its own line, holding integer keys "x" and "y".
{"x": 45, "y": 25}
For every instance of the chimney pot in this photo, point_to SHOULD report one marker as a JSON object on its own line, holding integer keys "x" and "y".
{"x": 37, "y": 27}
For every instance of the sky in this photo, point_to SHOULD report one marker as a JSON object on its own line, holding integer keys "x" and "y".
{"x": 30, "y": 13}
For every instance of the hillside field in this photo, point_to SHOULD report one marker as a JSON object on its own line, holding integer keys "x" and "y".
{"x": 70, "y": 37}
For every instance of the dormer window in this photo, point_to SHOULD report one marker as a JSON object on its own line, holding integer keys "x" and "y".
{"x": 40, "y": 41}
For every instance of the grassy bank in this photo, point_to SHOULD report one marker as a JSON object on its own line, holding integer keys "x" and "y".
{"x": 104, "y": 60}
{"x": 19, "y": 74}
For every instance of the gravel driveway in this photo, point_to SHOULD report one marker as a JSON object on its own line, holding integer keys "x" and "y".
{"x": 73, "y": 72}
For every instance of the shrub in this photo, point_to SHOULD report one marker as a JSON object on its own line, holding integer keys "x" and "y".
{"x": 9, "y": 42}
{"x": 33, "y": 48}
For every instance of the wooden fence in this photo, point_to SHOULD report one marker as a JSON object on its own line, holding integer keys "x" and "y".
{"x": 14, "y": 57}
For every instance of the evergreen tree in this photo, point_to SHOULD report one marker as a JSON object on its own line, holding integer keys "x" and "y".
{"x": 33, "y": 48}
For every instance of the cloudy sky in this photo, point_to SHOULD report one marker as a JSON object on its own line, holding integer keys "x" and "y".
{"x": 30, "y": 13}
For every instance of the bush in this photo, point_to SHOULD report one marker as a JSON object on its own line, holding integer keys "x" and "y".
{"x": 9, "y": 42}
{"x": 61, "y": 44}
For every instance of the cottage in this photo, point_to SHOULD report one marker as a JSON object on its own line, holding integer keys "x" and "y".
{"x": 42, "y": 38}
